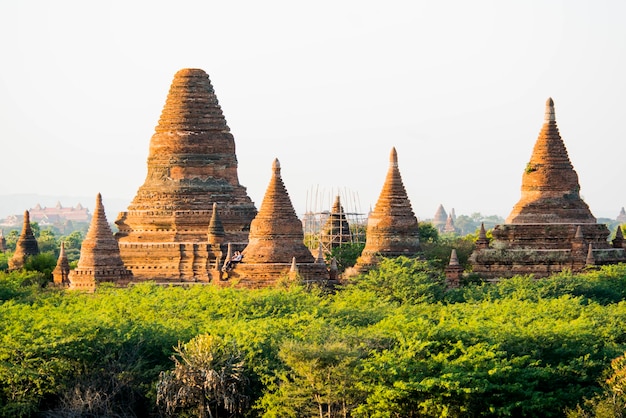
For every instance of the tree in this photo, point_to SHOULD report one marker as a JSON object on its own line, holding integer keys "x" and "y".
{"x": 321, "y": 380}
{"x": 208, "y": 380}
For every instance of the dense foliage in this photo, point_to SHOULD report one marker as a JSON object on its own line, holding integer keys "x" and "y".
{"x": 394, "y": 343}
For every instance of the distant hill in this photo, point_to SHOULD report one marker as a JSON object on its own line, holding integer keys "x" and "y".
{"x": 16, "y": 204}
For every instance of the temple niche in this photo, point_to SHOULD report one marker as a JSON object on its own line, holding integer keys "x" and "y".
{"x": 276, "y": 244}
{"x": 392, "y": 227}
{"x": 550, "y": 228}
{"x": 192, "y": 172}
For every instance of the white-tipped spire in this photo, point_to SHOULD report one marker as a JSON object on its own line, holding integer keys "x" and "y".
{"x": 550, "y": 115}
{"x": 393, "y": 157}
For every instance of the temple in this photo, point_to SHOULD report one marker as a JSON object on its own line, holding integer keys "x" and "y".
{"x": 550, "y": 228}
{"x": 336, "y": 229}
{"x": 25, "y": 247}
{"x": 60, "y": 274}
{"x": 100, "y": 259}
{"x": 192, "y": 172}
{"x": 276, "y": 247}
{"x": 392, "y": 228}
{"x": 440, "y": 219}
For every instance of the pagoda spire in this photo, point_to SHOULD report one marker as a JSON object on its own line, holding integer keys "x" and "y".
{"x": 392, "y": 228}
{"x": 61, "y": 272}
{"x": 26, "y": 245}
{"x": 276, "y": 234}
{"x": 550, "y": 188}
{"x": 216, "y": 229}
{"x": 100, "y": 258}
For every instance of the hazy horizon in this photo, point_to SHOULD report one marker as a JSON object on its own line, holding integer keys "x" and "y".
{"x": 458, "y": 88}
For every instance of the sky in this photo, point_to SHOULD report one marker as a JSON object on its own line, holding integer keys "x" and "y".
{"x": 327, "y": 87}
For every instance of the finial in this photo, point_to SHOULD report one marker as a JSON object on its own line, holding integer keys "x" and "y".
{"x": 579, "y": 233}
{"x": 26, "y": 216}
{"x": 276, "y": 166}
{"x": 454, "y": 260}
{"x": 482, "y": 234}
{"x": 393, "y": 157}
{"x": 590, "y": 260}
{"x": 550, "y": 115}
{"x": 294, "y": 266}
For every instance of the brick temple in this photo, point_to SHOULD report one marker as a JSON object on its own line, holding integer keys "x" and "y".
{"x": 25, "y": 246}
{"x": 192, "y": 171}
{"x": 551, "y": 228}
{"x": 276, "y": 247}
{"x": 392, "y": 228}
{"x": 100, "y": 259}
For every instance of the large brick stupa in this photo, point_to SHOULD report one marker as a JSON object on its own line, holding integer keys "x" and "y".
{"x": 276, "y": 249}
{"x": 392, "y": 227}
{"x": 191, "y": 166}
{"x": 550, "y": 228}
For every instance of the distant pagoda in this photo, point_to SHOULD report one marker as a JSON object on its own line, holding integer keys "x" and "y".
{"x": 440, "y": 218}
{"x": 191, "y": 166}
{"x": 276, "y": 244}
{"x": 60, "y": 274}
{"x": 100, "y": 259}
{"x": 392, "y": 227}
{"x": 336, "y": 229}
{"x": 25, "y": 247}
{"x": 551, "y": 228}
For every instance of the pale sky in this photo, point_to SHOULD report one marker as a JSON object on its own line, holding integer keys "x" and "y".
{"x": 327, "y": 87}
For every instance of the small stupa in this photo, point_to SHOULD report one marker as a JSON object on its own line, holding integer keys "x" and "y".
{"x": 550, "y": 228}
{"x": 60, "y": 274}
{"x": 276, "y": 243}
{"x": 336, "y": 230}
{"x": 621, "y": 217}
{"x": 440, "y": 218}
{"x": 454, "y": 271}
{"x": 26, "y": 245}
{"x": 392, "y": 227}
{"x": 450, "y": 228}
{"x": 191, "y": 166}
{"x": 3, "y": 242}
{"x": 100, "y": 259}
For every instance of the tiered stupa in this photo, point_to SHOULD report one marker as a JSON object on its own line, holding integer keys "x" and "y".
{"x": 336, "y": 230}
{"x": 25, "y": 247}
{"x": 100, "y": 259}
{"x": 191, "y": 165}
{"x": 392, "y": 228}
{"x": 276, "y": 243}
{"x": 621, "y": 217}
{"x": 60, "y": 274}
{"x": 440, "y": 218}
{"x": 551, "y": 228}
{"x": 449, "y": 227}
